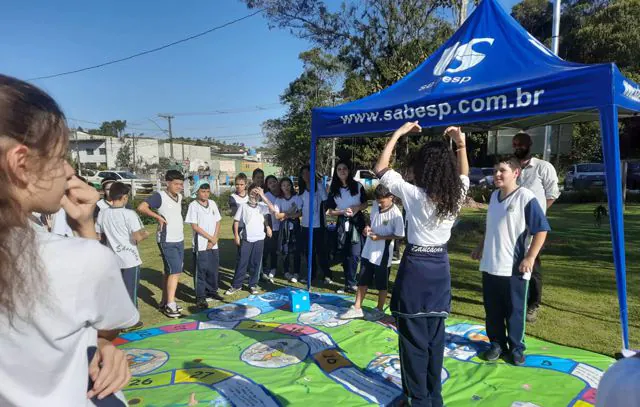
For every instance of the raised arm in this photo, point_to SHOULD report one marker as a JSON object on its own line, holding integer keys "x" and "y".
{"x": 385, "y": 157}
{"x": 461, "y": 148}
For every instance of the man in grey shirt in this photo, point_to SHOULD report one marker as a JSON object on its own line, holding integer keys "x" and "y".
{"x": 539, "y": 177}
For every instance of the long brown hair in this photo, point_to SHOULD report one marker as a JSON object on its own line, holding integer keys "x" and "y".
{"x": 30, "y": 117}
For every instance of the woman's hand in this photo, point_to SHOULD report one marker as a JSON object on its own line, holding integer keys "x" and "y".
{"x": 79, "y": 202}
{"x": 408, "y": 127}
{"x": 109, "y": 370}
{"x": 456, "y": 135}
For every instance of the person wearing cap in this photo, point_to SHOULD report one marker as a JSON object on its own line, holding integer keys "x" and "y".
{"x": 204, "y": 217}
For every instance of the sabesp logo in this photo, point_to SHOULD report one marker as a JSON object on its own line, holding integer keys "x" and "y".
{"x": 465, "y": 55}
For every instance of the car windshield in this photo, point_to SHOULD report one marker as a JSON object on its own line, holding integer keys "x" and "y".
{"x": 590, "y": 168}
{"x": 487, "y": 171}
{"x": 634, "y": 167}
{"x": 476, "y": 171}
{"x": 127, "y": 175}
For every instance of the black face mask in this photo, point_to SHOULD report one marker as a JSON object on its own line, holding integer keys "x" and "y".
{"x": 521, "y": 152}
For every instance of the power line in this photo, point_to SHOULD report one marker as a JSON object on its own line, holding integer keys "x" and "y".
{"x": 248, "y": 109}
{"x": 148, "y": 51}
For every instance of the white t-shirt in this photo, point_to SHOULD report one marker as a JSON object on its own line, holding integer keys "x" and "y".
{"x": 44, "y": 362}
{"x": 59, "y": 224}
{"x": 292, "y": 204}
{"x": 275, "y": 223}
{"x": 346, "y": 200}
{"x": 171, "y": 210}
{"x": 319, "y": 197}
{"x": 118, "y": 224}
{"x": 207, "y": 217}
{"x": 540, "y": 177}
{"x": 102, "y": 204}
{"x": 387, "y": 223}
{"x": 510, "y": 224}
{"x": 423, "y": 227}
{"x": 253, "y": 220}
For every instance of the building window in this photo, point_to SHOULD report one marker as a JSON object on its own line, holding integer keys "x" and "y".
{"x": 89, "y": 151}
{"x": 103, "y": 151}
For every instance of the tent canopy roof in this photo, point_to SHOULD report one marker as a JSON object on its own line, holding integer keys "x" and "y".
{"x": 490, "y": 71}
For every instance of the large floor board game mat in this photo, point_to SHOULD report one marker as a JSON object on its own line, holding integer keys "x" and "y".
{"x": 256, "y": 352}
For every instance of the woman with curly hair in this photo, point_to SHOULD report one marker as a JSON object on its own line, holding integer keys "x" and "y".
{"x": 421, "y": 298}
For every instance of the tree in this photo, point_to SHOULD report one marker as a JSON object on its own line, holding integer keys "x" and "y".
{"x": 124, "y": 156}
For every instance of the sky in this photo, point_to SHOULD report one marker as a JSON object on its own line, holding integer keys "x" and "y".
{"x": 243, "y": 67}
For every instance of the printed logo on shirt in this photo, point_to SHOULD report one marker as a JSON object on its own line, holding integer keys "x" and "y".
{"x": 510, "y": 208}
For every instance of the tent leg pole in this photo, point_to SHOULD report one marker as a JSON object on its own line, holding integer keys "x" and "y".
{"x": 611, "y": 155}
{"x": 312, "y": 197}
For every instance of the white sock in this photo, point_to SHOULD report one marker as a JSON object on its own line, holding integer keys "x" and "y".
{"x": 173, "y": 306}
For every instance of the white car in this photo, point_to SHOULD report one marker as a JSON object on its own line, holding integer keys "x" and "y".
{"x": 142, "y": 186}
{"x": 583, "y": 176}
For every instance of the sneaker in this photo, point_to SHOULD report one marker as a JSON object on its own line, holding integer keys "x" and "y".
{"x": 231, "y": 291}
{"x": 494, "y": 353}
{"x": 288, "y": 276}
{"x": 340, "y": 291}
{"x": 374, "y": 315}
{"x": 202, "y": 304}
{"x": 170, "y": 312}
{"x": 162, "y": 305}
{"x": 254, "y": 290}
{"x": 265, "y": 277}
{"x": 351, "y": 290}
{"x": 327, "y": 280}
{"x": 352, "y": 313}
{"x": 395, "y": 261}
{"x": 294, "y": 279}
{"x": 518, "y": 357}
{"x": 303, "y": 281}
{"x": 272, "y": 273}
{"x": 532, "y": 315}
{"x": 214, "y": 297}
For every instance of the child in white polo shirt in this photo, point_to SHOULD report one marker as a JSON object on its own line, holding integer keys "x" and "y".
{"x": 204, "y": 217}
{"x": 122, "y": 230}
{"x": 251, "y": 239}
{"x": 507, "y": 256}
{"x": 386, "y": 226}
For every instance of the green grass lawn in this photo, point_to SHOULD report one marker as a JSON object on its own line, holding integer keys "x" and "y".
{"x": 580, "y": 305}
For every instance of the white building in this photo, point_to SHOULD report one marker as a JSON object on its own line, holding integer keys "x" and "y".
{"x": 560, "y": 140}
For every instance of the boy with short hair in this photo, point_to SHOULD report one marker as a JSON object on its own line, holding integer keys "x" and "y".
{"x": 251, "y": 240}
{"x": 170, "y": 237}
{"x": 516, "y": 229}
{"x": 123, "y": 231}
{"x": 204, "y": 217}
{"x": 386, "y": 225}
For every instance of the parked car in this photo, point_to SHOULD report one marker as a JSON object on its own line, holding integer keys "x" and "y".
{"x": 367, "y": 178}
{"x": 142, "y": 186}
{"x": 477, "y": 174}
{"x": 584, "y": 176}
{"x": 633, "y": 175}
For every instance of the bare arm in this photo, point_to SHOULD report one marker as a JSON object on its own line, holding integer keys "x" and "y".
{"x": 461, "y": 149}
{"x": 536, "y": 245}
{"x": 140, "y": 235}
{"x": 385, "y": 157}
{"x": 145, "y": 209}
{"x": 550, "y": 202}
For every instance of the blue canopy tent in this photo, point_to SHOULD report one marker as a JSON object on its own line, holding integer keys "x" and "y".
{"x": 493, "y": 74}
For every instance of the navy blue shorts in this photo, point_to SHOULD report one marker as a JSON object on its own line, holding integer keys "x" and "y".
{"x": 423, "y": 283}
{"x": 374, "y": 276}
{"x": 172, "y": 256}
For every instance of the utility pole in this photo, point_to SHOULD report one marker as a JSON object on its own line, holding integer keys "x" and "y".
{"x": 133, "y": 142}
{"x": 75, "y": 132}
{"x": 169, "y": 117}
{"x": 555, "y": 44}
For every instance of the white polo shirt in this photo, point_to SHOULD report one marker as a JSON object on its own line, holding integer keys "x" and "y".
{"x": 387, "y": 223}
{"x": 253, "y": 220}
{"x": 292, "y": 204}
{"x": 424, "y": 228}
{"x": 540, "y": 177}
{"x": 319, "y": 197}
{"x": 510, "y": 224}
{"x": 171, "y": 210}
{"x": 207, "y": 217}
{"x": 118, "y": 224}
{"x": 44, "y": 360}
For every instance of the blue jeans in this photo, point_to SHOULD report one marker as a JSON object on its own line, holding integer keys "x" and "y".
{"x": 131, "y": 278}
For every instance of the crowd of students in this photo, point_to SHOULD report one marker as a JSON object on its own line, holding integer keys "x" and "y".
{"x": 64, "y": 296}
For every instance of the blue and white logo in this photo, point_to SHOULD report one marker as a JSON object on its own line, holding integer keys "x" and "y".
{"x": 465, "y": 54}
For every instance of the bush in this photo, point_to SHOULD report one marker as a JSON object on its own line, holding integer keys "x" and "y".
{"x": 592, "y": 196}
{"x": 480, "y": 194}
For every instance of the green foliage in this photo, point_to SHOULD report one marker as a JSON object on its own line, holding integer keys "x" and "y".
{"x": 124, "y": 156}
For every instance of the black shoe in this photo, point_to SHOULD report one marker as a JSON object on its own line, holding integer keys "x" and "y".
{"x": 494, "y": 353}
{"x": 532, "y": 315}
{"x": 518, "y": 357}
{"x": 215, "y": 296}
{"x": 202, "y": 304}
{"x": 171, "y": 313}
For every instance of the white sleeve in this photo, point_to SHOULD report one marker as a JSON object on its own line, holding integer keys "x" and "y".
{"x": 465, "y": 185}
{"x": 104, "y": 292}
{"x": 99, "y": 222}
{"x": 397, "y": 186}
{"x": 398, "y": 224}
{"x": 133, "y": 222}
{"x": 216, "y": 212}
{"x": 192, "y": 215}
{"x": 238, "y": 214}
{"x": 264, "y": 209}
{"x": 550, "y": 181}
